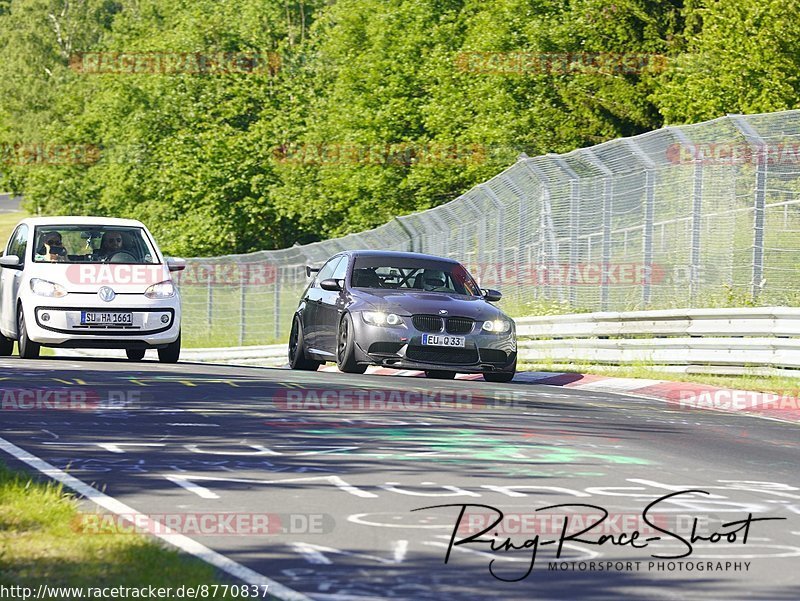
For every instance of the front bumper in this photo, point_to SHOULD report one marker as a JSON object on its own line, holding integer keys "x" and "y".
{"x": 57, "y": 322}
{"x": 401, "y": 348}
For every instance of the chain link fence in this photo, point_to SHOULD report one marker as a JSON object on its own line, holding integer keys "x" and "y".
{"x": 704, "y": 215}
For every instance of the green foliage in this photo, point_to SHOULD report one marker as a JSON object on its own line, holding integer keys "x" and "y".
{"x": 736, "y": 57}
{"x": 369, "y": 108}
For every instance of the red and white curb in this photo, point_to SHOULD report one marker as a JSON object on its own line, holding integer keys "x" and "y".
{"x": 683, "y": 396}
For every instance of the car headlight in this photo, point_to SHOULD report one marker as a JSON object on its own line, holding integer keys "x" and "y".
{"x": 379, "y": 318}
{"x": 498, "y": 326}
{"x": 45, "y": 288}
{"x": 165, "y": 289}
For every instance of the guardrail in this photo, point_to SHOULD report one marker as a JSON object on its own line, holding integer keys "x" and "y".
{"x": 758, "y": 337}
{"x": 711, "y": 340}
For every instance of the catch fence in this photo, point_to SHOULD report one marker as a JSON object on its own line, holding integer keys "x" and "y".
{"x": 704, "y": 215}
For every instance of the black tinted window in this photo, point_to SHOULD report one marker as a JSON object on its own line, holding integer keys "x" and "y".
{"x": 19, "y": 243}
{"x": 413, "y": 274}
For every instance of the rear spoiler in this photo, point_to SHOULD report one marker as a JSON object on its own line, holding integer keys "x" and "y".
{"x": 310, "y": 270}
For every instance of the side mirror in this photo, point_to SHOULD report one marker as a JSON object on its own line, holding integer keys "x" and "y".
{"x": 330, "y": 284}
{"x": 10, "y": 261}
{"x": 491, "y": 295}
{"x": 176, "y": 264}
{"x": 310, "y": 270}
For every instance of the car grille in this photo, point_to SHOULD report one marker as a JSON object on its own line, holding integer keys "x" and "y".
{"x": 442, "y": 355}
{"x": 459, "y": 325}
{"x": 385, "y": 348}
{"x": 427, "y": 323}
{"x": 491, "y": 355}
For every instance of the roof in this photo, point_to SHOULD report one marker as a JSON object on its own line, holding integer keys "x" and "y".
{"x": 87, "y": 220}
{"x": 397, "y": 255}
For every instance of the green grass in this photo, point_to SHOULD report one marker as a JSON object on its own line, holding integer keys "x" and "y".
{"x": 7, "y": 223}
{"x": 778, "y": 384}
{"x": 40, "y": 543}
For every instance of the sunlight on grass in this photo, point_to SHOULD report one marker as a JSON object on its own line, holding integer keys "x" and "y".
{"x": 7, "y": 223}
{"x": 40, "y": 542}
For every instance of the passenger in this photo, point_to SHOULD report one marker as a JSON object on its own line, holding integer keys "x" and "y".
{"x": 52, "y": 248}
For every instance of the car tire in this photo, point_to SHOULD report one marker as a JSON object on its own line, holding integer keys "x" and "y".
{"x": 500, "y": 377}
{"x": 27, "y": 348}
{"x": 171, "y": 353}
{"x": 346, "y": 348}
{"x": 135, "y": 354}
{"x": 297, "y": 349}
{"x": 438, "y": 374}
{"x": 6, "y": 346}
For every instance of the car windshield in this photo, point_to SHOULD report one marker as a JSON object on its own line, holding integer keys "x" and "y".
{"x": 92, "y": 244}
{"x": 413, "y": 274}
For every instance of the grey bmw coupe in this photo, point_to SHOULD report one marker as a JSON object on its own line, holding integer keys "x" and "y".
{"x": 405, "y": 311}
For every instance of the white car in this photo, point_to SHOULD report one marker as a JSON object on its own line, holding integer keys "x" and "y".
{"x": 88, "y": 282}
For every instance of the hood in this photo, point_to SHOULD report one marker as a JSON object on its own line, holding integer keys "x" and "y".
{"x": 429, "y": 303}
{"x": 90, "y": 277}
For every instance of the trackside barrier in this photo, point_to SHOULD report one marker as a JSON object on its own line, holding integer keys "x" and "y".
{"x": 682, "y": 217}
{"x": 719, "y": 340}
{"x": 757, "y": 337}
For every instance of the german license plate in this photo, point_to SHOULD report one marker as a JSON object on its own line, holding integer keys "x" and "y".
{"x": 439, "y": 340}
{"x": 94, "y": 318}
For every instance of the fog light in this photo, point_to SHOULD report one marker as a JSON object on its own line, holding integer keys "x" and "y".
{"x": 45, "y": 316}
{"x": 164, "y": 318}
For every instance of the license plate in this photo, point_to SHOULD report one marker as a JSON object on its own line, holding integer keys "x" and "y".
{"x": 439, "y": 340}
{"x": 105, "y": 318}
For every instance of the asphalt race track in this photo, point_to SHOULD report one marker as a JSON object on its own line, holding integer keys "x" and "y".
{"x": 335, "y": 487}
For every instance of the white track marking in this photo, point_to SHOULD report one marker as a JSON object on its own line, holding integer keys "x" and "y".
{"x": 311, "y": 555}
{"x": 400, "y": 549}
{"x": 184, "y": 543}
{"x": 188, "y": 483}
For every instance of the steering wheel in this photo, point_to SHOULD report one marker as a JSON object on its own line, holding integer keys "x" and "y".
{"x": 122, "y": 257}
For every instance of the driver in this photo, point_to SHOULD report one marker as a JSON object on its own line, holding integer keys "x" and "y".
{"x": 433, "y": 278}
{"x": 110, "y": 244}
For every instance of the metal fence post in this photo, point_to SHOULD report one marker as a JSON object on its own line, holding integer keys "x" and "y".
{"x": 759, "y": 146}
{"x": 210, "y": 300}
{"x": 499, "y": 241}
{"x": 548, "y": 245}
{"x": 649, "y": 215}
{"x": 522, "y": 198}
{"x": 697, "y": 216}
{"x": 574, "y": 224}
{"x": 479, "y": 254}
{"x": 444, "y": 241}
{"x": 407, "y": 233}
{"x": 607, "y": 214}
{"x": 276, "y": 310}
{"x": 242, "y": 308}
